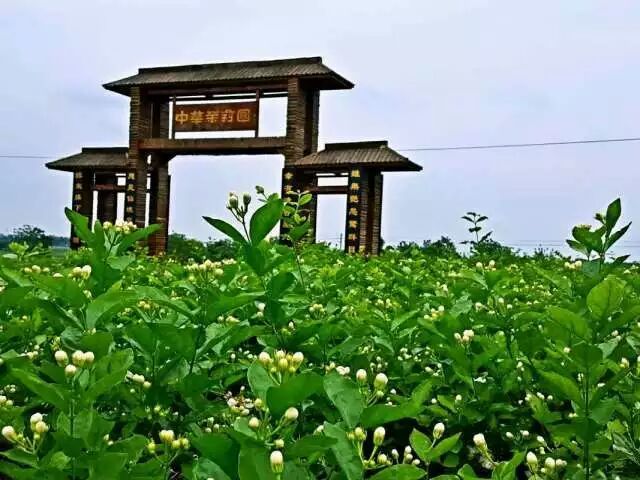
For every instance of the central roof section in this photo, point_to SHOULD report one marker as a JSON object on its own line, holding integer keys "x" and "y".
{"x": 310, "y": 70}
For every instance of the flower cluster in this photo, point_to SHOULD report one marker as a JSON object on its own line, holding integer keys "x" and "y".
{"x": 168, "y": 440}
{"x": 81, "y": 273}
{"x": 120, "y": 227}
{"x": 138, "y": 379}
{"x": 30, "y": 445}
{"x": 282, "y": 363}
{"x": 79, "y": 359}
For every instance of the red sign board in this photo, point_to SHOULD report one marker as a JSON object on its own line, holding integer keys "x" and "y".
{"x": 209, "y": 117}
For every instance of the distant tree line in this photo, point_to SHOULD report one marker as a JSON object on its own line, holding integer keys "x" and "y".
{"x": 32, "y": 236}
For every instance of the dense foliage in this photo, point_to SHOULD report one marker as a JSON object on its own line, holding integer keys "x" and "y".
{"x": 299, "y": 362}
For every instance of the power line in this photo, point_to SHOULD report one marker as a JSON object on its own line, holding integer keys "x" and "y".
{"x": 520, "y": 145}
{"x": 439, "y": 149}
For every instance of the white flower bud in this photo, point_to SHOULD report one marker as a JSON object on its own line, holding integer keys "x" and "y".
{"x": 35, "y": 418}
{"x": 61, "y": 357}
{"x": 279, "y": 443}
{"x": 88, "y": 357}
{"x": 438, "y": 430}
{"x": 297, "y": 359}
{"x": 70, "y": 370}
{"x": 254, "y": 423}
{"x": 378, "y": 436}
{"x": 77, "y": 358}
{"x": 380, "y": 382}
{"x": 277, "y": 461}
{"x": 9, "y": 433}
{"x": 479, "y": 441}
{"x": 291, "y": 414}
{"x": 41, "y": 427}
{"x": 532, "y": 460}
{"x": 361, "y": 376}
{"x": 549, "y": 463}
{"x": 264, "y": 358}
{"x": 166, "y": 436}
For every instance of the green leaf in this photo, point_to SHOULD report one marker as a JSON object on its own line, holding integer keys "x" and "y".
{"x": 420, "y": 443}
{"x": 562, "y": 386}
{"x": 297, "y": 232}
{"x": 106, "y": 466}
{"x": 110, "y": 371}
{"x": 441, "y": 447}
{"x": 570, "y": 321}
{"x": 345, "y": 452}
{"x": 63, "y": 289}
{"x": 309, "y": 445}
{"x": 259, "y": 380}
{"x": 227, "y": 229}
{"x": 346, "y": 397}
{"x": 205, "y": 469}
{"x": 254, "y": 464}
{"x": 47, "y": 392}
{"x": 264, "y": 220}
{"x": 292, "y": 392}
{"x": 606, "y": 297}
{"x": 81, "y": 226}
{"x": 400, "y": 472}
{"x": 139, "y": 234}
{"x": 279, "y": 284}
{"x": 507, "y": 470}
{"x": 377, "y": 415}
{"x": 614, "y": 210}
{"x": 132, "y": 446}
{"x": 107, "y": 305}
{"x": 219, "y": 449}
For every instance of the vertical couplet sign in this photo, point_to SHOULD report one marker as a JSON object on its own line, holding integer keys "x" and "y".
{"x": 210, "y": 117}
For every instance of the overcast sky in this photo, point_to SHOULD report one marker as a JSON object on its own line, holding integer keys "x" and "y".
{"x": 427, "y": 73}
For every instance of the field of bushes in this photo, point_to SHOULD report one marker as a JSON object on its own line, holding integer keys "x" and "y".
{"x": 296, "y": 361}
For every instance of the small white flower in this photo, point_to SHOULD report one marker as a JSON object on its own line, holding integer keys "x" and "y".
{"x": 438, "y": 430}
{"x": 479, "y": 441}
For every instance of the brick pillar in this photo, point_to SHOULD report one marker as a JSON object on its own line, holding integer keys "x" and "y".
{"x": 300, "y": 120}
{"x": 82, "y": 200}
{"x": 107, "y": 199}
{"x": 312, "y": 118}
{"x": 159, "y": 205}
{"x": 140, "y": 123}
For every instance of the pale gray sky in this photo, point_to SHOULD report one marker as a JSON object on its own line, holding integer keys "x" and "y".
{"x": 427, "y": 74}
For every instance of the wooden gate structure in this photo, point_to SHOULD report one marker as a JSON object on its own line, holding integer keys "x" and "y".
{"x": 168, "y": 102}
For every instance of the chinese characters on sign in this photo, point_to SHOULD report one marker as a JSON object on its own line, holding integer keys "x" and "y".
{"x": 207, "y": 117}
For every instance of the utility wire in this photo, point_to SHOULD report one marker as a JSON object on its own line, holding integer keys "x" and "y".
{"x": 439, "y": 149}
{"x": 520, "y": 145}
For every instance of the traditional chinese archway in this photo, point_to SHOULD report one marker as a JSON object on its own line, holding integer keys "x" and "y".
{"x": 226, "y": 97}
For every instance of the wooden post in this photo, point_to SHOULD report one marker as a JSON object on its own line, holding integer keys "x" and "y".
{"x": 353, "y": 222}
